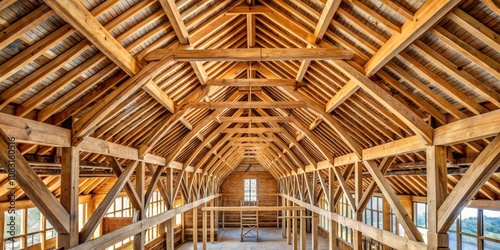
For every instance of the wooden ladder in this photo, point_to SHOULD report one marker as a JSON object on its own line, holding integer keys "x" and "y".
{"x": 249, "y": 222}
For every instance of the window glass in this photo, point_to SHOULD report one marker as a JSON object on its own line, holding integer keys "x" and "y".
{"x": 15, "y": 218}
{"x": 452, "y": 240}
{"x": 13, "y": 245}
{"x": 34, "y": 220}
{"x": 126, "y": 202}
{"x": 421, "y": 214}
{"x": 372, "y": 214}
{"x": 50, "y": 232}
{"x": 468, "y": 220}
{"x": 491, "y": 224}
{"x": 490, "y": 245}
{"x": 452, "y": 236}
{"x": 118, "y": 204}
{"x": 469, "y": 243}
{"x": 33, "y": 239}
{"x": 250, "y": 190}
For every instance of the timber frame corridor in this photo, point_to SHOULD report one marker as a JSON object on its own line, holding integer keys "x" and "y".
{"x": 146, "y": 124}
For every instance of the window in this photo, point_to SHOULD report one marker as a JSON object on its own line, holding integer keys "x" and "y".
{"x": 156, "y": 206}
{"x": 396, "y": 227}
{"x": 373, "y": 214}
{"x": 16, "y": 231}
{"x": 122, "y": 207}
{"x": 32, "y": 228}
{"x": 344, "y": 209}
{"x": 475, "y": 229}
{"x": 250, "y": 190}
{"x": 420, "y": 218}
{"x": 178, "y": 217}
{"x": 491, "y": 229}
{"x": 323, "y": 220}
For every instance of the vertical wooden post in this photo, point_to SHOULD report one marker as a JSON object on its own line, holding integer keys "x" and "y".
{"x": 386, "y": 211}
{"x": 283, "y": 219}
{"x": 303, "y": 230}
{"x": 358, "y": 193}
{"x": 170, "y": 224}
{"x": 195, "y": 228}
{"x": 277, "y": 213}
{"x": 140, "y": 182}
{"x": 212, "y": 229}
{"x": 183, "y": 227}
{"x": 70, "y": 172}
{"x": 223, "y": 201}
{"x": 295, "y": 230}
{"x": 217, "y": 216}
{"x": 332, "y": 237}
{"x": 314, "y": 233}
{"x": 289, "y": 223}
{"x": 169, "y": 234}
{"x": 436, "y": 194}
{"x": 204, "y": 230}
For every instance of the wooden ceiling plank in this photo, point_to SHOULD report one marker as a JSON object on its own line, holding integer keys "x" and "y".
{"x": 341, "y": 132}
{"x": 79, "y": 17}
{"x": 402, "y": 10}
{"x": 422, "y": 88}
{"x": 476, "y": 28}
{"x": 461, "y": 75}
{"x": 17, "y": 29}
{"x": 485, "y": 62}
{"x": 161, "y": 131}
{"x": 430, "y": 109}
{"x": 29, "y": 55}
{"x": 444, "y": 85}
{"x": 101, "y": 74}
{"x": 381, "y": 21}
{"x": 427, "y": 16}
{"x": 56, "y": 86}
{"x": 89, "y": 121}
{"x": 418, "y": 126}
{"x": 494, "y": 6}
{"x": 52, "y": 108}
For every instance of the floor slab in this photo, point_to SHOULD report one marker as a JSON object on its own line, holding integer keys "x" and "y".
{"x": 269, "y": 239}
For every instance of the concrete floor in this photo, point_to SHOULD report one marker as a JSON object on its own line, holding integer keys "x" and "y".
{"x": 269, "y": 239}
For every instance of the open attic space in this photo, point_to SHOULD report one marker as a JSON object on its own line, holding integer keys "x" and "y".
{"x": 244, "y": 124}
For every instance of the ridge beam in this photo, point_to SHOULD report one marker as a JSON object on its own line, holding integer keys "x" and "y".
{"x": 252, "y": 54}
